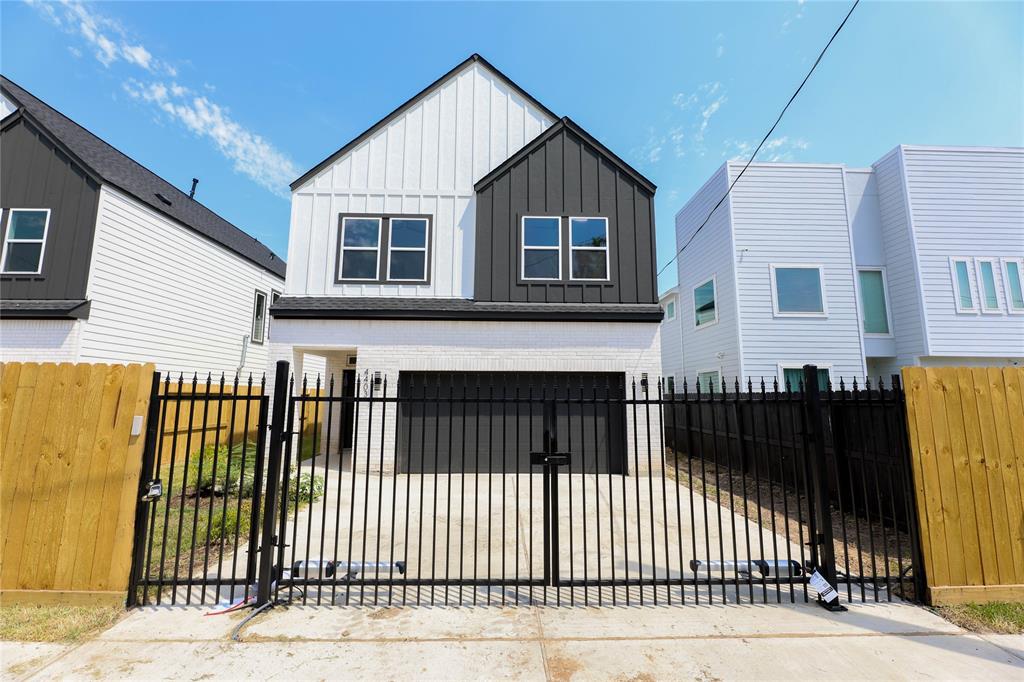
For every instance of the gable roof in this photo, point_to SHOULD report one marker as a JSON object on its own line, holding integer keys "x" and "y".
{"x": 108, "y": 165}
{"x": 565, "y": 123}
{"x": 415, "y": 99}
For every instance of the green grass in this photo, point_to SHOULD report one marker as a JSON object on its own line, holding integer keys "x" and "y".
{"x": 57, "y": 623}
{"x": 997, "y": 617}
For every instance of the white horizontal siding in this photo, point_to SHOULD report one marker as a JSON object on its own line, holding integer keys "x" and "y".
{"x": 714, "y": 347}
{"x": 672, "y": 341}
{"x": 794, "y": 214}
{"x": 424, "y": 162}
{"x": 900, "y": 260}
{"x": 966, "y": 202}
{"x": 165, "y": 294}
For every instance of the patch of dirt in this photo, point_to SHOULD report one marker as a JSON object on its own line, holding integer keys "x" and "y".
{"x": 562, "y": 668}
{"x": 384, "y": 614}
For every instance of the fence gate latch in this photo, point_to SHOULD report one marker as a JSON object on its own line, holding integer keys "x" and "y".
{"x": 154, "y": 490}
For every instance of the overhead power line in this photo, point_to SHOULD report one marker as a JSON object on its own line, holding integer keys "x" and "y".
{"x": 763, "y": 139}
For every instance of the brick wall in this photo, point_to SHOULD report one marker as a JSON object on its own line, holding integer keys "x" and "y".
{"x": 39, "y": 340}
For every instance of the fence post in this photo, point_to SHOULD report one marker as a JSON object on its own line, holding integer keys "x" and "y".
{"x": 277, "y": 436}
{"x": 145, "y": 475}
{"x": 907, "y": 468}
{"x": 820, "y": 498}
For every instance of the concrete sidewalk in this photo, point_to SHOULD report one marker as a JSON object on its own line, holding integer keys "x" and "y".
{"x": 883, "y": 641}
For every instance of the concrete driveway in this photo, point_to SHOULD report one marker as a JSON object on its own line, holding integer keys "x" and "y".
{"x": 884, "y": 641}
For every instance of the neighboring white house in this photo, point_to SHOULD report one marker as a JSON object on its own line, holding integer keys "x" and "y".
{"x": 671, "y": 341}
{"x": 472, "y": 231}
{"x": 104, "y": 261}
{"x": 914, "y": 261}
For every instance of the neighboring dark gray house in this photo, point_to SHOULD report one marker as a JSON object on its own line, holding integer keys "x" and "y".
{"x": 104, "y": 261}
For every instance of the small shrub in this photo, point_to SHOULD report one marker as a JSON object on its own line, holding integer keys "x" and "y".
{"x": 230, "y": 477}
{"x": 310, "y": 488}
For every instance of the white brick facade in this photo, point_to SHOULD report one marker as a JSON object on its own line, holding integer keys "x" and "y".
{"x": 393, "y": 346}
{"x": 39, "y": 340}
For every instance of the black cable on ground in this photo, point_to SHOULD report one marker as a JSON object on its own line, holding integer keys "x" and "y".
{"x": 255, "y": 612}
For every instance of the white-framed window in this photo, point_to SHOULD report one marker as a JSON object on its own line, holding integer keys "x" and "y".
{"x": 1013, "y": 285}
{"x": 588, "y": 247}
{"x": 963, "y": 289}
{"x": 259, "y": 317}
{"x": 541, "y": 248}
{"x": 670, "y": 311}
{"x": 407, "y": 249}
{"x": 874, "y": 301}
{"x": 988, "y": 293}
{"x": 794, "y": 375}
{"x": 710, "y": 380}
{"x": 360, "y": 249}
{"x": 798, "y": 290}
{"x": 25, "y": 241}
{"x": 705, "y": 307}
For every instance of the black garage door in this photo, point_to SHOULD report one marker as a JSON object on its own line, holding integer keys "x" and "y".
{"x": 489, "y": 422}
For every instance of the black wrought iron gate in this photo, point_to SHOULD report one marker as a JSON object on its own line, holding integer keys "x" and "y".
{"x": 508, "y": 489}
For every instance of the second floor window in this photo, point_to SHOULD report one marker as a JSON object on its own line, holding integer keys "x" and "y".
{"x": 259, "y": 317}
{"x": 797, "y": 290}
{"x": 360, "y": 248}
{"x": 1014, "y": 271}
{"x": 407, "y": 250}
{"x": 384, "y": 249}
{"x": 24, "y": 241}
{"x": 963, "y": 291}
{"x": 989, "y": 297}
{"x": 670, "y": 311}
{"x": 589, "y": 248}
{"x": 542, "y": 248}
{"x": 872, "y": 301}
{"x": 704, "y": 311}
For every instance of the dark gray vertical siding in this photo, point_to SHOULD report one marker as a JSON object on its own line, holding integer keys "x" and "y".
{"x": 36, "y": 174}
{"x": 565, "y": 176}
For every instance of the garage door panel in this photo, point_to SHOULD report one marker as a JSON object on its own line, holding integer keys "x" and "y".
{"x": 490, "y": 422}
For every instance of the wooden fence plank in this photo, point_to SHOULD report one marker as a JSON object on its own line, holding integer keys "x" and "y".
{"x": 979, "y": 477}
{"x": 961, "y": 470}
{"x": 1014, "y": 506}
{"x": 9, "y": 374}
{"x": 1013, "y": 378}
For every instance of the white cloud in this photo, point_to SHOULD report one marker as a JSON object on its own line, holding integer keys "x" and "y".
{"x": 719, "y": 51}
{"x": 249, "y": 153}
{"x": 792, "y": 18}
{"x": 682, "y": 137}
{"x": 775, "y": 150}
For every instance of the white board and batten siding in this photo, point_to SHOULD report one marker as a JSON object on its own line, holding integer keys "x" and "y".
{"x": 425, "y": 161}
{"x": 717, "y": 346}
{"x": 165, "y": 294}
{"x": 966, "y": 202}
{"x": 778, "y": 211}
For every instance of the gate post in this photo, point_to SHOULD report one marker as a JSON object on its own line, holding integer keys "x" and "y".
{"x": 277, "y": 436}
{"x": 823, "y": 553}
{"x": 141, "y": 503}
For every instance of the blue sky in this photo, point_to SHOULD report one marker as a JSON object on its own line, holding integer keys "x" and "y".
{"x": 246, "y": 96}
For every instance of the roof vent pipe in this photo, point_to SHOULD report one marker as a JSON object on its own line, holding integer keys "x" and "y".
{"x": 192, "y": 192}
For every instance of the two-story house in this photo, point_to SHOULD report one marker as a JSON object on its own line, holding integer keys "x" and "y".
{"x": 104, "y": 261}
{"x": 916, "y": 260}
{"x": 472, "y": 235}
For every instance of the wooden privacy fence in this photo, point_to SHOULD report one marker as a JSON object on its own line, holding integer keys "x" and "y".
{"x": 966, "y": 428}
{"x": 69, "y": 479}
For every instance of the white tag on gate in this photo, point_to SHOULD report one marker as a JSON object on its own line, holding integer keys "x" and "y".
{"x": 825, "y": 590}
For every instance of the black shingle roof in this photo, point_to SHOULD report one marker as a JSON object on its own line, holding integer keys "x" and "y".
{"x": 117, "y": 169}
{"x": 417, "y": 308}
{"x": 44, "y": 309}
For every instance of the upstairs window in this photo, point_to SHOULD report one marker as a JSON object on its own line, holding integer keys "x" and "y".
{"x": 541, "y": 248}
{"x": 1013, "y": 270}
{"x": 24, "y": 241}
{"x": 259, "y": 317}
{"x": 670, "y": 311}
{"x": 670, "y": 385}
{"x": 360, "y": 249}
{"x": 797, "y": 291}
{"x": 589, "y": 246}
{"x": 987, "y": 294}
{"x": 963, "y": 295}
{"x": 407, "y": 250}
{"x": 872, "y": 301}
{"x": 705, "y": 311}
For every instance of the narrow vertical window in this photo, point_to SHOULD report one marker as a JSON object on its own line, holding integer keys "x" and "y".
{"x": 259, "y": 317}
{"x": 670, "y": 310}
{"x": 24, "y": 241}
{"x": 1013, "y": 269}
{"x": 670, "y": 384}
{"x": 704, "y": 310}
{"x": 360, "y": 249}
{"x": 589, "y": 247}
{"x": 963, "y": 295}
{"x": 872, "y": 301}
{"x": 987, "y": 293}
{"x": 407, "y": 250}
{"x": 541, "y": 248}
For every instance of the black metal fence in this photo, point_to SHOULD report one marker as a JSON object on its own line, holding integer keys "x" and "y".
{"x": 509, "y": 488}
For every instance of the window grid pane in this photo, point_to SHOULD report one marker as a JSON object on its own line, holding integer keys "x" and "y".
{"x": 541, "y": 231}
{"x": 409, "y": 264}
{"x": 798, "y": 290}
{"x": 872, "y": 291}
{"x": 963, "y": 285}
{"x": 589, "y": 264}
